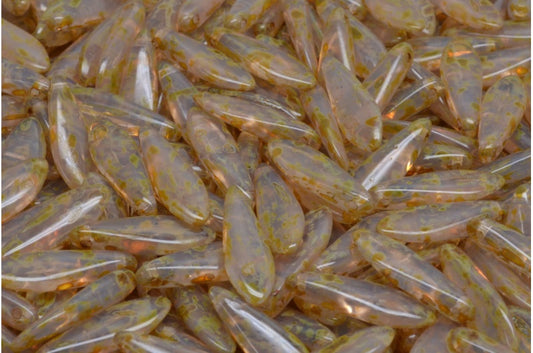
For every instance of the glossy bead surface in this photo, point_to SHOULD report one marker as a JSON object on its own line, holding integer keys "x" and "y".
{"x": 247, "y": 259}
{"x": 175, "y": 183}
{"x": 251, "y": 329}
{"x": 123, "y": 167}
{"x": 46, "y": 271}
{"x": 408, "y": 271}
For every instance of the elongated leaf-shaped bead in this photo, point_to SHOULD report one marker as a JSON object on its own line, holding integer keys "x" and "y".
{"x": 316, "y": 236}
{"x": 467, "y": 340}
{"x": 363, "y": 300}
{"x": 247, "y": 259}
{"x": 92, "y": 48}
{"x": 436, "y": 223}
{"x": 68, "y": 136}
{"x": 178, "y": 92}
{"x": 501, "y": 63}
{"x": 481, "y": 14}
{"x": 63, "y": 21}
{"x": 337, "y": 39}
{"x": 280, "y": 216}
{"x": 518, "y": 209}
{"x": 387, "y": 76}
{"x": 197, "y": 312}
{"x": 46, "y": 271}
{"x": 514, "y": 167}
{"x": 138, "y": 316}
{"x": 97, "y": 105}
{"x": 511, "y": 246}
{"x": 405, "y": 15}
{"x": 183, "y": 268}
{"x": 113, "y": 58}
{"x": 146, "y": 236}
{"x": 461, "y": 73}
{"x": 218, "y": 151}
{"x": 506, "y": 282}
{"x": 22, "y": 48}
{"x": 316, "y": 104}
{"x": 20, "y": 81}
{"x": 176, "y": 184}
{"x": 130, "y": 342}
{"x": 494, "y": 319}
{"x": 396, "y": 157}
{"x": 314, "y": 172}
{"x": 193, "y": 13}
{"x": 117, "y": 157}
{"x": 20, "y": 186}
{"x": 97, "y": 296}
{"x": 139, "y": 81}
{"x": 263, "y": 60}
{"x": 264, "y": 122}
{"x": 311, "y": 332}
{"x": 502, "y": 109}
{"x": 371, "y": 339}
{"x": 433, "y": 339}
{"x": 296, "y": 14}
{"x": 408, "y": 271}
{"x": 26, "y": 141}
{"x": 244, "y": 13}
{"x": 204, "y": 62}
{"x": 17, "y": 311}
{"x": 358, "y": 115}
{"x": 251, "y": 329}
{"x": 437, "y": 187}
{"x": 47, "y": 225}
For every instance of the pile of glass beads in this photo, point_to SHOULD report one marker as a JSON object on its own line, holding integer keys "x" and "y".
{"x": 223, "y": 176}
